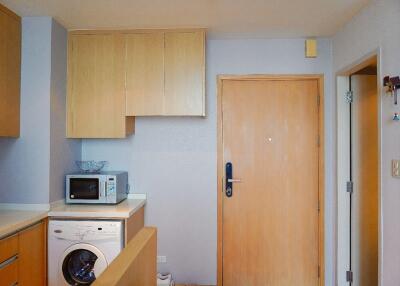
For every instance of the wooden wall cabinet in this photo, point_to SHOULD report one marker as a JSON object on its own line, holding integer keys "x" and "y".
{"x": 96, "y": 87}
{"x": 165, "y": 73}
{"x": 144, "y": 67}
{"x": 10, "y": 72}
{"x": 23, "y": 257}
{"x": 184, "y": 74}
{"x": 116, "y": 75}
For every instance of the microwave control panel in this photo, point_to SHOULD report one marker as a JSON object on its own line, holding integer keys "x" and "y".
{"x": 111, "y": 186}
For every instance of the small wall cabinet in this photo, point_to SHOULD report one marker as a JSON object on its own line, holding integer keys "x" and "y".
{"x": 10, "y": 72}
{"x": 165, "y": 73}
{"x": 23, "y": 257}
{"x": 116, "y": 75}
{"x": 96, "y": 99}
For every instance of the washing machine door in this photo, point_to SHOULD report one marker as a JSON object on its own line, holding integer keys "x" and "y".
{"x": 81, "y": 264}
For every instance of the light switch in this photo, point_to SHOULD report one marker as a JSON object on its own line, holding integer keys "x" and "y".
{"x": 396, "y": 168}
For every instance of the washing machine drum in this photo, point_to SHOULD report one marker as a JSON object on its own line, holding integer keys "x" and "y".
{"x": 81, "y": 264}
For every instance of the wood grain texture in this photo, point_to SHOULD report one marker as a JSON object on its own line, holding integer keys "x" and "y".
{"x": 365, "y": 156}
{"x": 10, "y": 13}
{"x": 32, "y": 256}
{"x": 133, "y": 31}
{"x": 133, "y": 225}
{"x": 246, "y": 234}
{"x": 185, "y": 73}
{"x": 96, "y": 87}
{"x": 220, "y": 176}
{"x": 144, "y": 67}
{"x": 136, "y": 265}
{"x": 8, "y": 247}
{"x": 9, "y": 274}
{"x": 163, "y": 75}
{"x": 10, "y": 73}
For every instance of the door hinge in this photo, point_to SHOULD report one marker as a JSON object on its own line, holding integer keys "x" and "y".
{"x": 349, "y": 276}
{"x": 349, "y": 187}
{"x": 349, "y": 96}
{"x": 318, "y": 140}
{"x": 318, "y": 100}
{"x": 319, "y": 271}
{"x": 319, "y": 206}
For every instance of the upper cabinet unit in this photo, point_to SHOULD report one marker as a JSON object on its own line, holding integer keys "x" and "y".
{"x": 184, "y": 74}
{"x": 96, "y": 87}
{"x": 144, "y": 74}
{"x": 10, "y": 72}
{"x": 116, "y": 75}
{"x": 165, "y": 73}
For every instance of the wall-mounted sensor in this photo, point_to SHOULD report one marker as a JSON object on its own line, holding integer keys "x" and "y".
{"x": 311, "y": 48}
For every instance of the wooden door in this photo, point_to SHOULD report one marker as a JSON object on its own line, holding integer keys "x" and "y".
{"x": 32, "y": 256}
{"x": 144, "y": 67}
{"x": 270, "y": 225}
{"x": 10, "y": 72}
{"x": 184, "y": 73}
{"x": 96, "y": 87}
{"x": 365, "y": 172}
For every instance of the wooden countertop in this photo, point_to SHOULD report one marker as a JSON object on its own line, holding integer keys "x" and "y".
{"x": 19, "y": 217}
{"x": 124, "y": 209}
{"x": 12, "y": 221}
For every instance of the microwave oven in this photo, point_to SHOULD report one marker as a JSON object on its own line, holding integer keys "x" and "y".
{"x": 101, "y": 188}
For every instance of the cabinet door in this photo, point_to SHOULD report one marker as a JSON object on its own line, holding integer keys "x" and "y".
{"x": 144, "y": 74}
{"x": 9, "y": 272}
{"x": 10, "y": 70}
{"x": 96, "y": 87}
{"x": 184, "y": 73}
{"x": 32, "y": 256}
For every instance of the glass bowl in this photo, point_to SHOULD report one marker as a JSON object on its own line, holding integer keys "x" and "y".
{"x": 91, "y": 167}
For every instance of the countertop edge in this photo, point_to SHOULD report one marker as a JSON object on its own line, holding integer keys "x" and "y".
{"x": 16, "y": 227}
{"x": 12, "y": 228}
{"x": 95, "y": 214}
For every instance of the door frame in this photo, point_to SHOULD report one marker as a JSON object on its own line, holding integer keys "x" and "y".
{"x": 342, "y": 138}
{"x": 321, "y": 162}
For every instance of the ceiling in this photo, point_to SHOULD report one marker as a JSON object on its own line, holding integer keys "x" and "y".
{"x": 228, "y": 18}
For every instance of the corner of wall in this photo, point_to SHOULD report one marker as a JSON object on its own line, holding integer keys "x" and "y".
{"x": 63, "y": 151}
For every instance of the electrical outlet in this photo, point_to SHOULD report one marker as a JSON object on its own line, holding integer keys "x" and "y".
{"x": 161, "y": 259}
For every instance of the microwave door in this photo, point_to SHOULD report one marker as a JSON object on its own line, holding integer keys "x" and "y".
{"x": 85, "y": 189}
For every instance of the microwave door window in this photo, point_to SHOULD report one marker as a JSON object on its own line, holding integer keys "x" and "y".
{"x": 84, "y": 189}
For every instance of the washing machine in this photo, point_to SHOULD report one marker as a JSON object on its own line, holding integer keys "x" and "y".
{"x": 80, "y": 250}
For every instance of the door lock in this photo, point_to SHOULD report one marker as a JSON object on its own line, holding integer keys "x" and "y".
{"x": 229, "y": 180}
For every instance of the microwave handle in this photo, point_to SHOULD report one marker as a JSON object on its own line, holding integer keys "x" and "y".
{"x": 103, "y": 189}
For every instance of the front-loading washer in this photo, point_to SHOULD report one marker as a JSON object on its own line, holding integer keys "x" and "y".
{"x": 80, "y": 250}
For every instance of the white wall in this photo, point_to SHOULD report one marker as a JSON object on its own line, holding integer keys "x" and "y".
{"x": 32, "y": 167}
{"x": 24, "y": 162}
{"x": 63, "y": 152}
{"x": 377, "y": 27}
{"x": 173, "y": 160}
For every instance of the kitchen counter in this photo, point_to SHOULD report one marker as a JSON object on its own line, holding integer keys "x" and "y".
{"x": 125, "y": 209}
{"x": 19, "y": 217}
{"x": 12, "y": 220}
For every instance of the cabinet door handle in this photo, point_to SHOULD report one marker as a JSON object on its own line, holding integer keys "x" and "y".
{"x": 8, "y": 261}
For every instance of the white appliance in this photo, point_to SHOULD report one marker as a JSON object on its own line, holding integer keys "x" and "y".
{"x": 80, "y": 250}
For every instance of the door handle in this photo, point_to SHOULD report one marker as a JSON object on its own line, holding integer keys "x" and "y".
{"x": 229, "y": 180}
